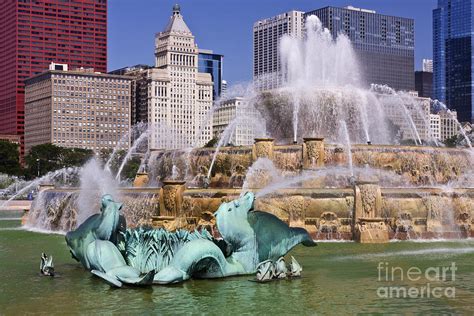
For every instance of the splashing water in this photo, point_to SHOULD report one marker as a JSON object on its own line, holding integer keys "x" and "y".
{"x": 49, "y": 178}
{"x": 225, "y": 137}
{"x": 138, "y": 142}
{"x": 345, "y": 135}
{"x": 437, "y": 103}
{"x": 95, "y": 181}
{"x": 384, "y": 89}
{"x": 174, "y": 173}
{"x": 317, "y": 61}
{"x": 261, "y": 173}
{"x": 138, "y": 128}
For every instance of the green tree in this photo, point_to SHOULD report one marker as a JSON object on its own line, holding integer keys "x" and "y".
{"x": 45, "y": 158}
{"x": 131, "y": 168}
{"x": 408, "y": 142}
{"x": 75, "y": 156}
{"x": 104, "y": 154}
{"x": 212, "y": 143}
{"x": 9, "y": 158}
{"x": 117, "y": 160}
{"x": 452, "y": 141}
{"x": 42, "y": 159}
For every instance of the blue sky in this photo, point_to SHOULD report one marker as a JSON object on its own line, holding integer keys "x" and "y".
{"x": 225, "y": 26}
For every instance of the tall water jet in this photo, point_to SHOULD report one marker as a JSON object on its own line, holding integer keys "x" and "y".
{"x": 384, "y": 89}
{"x": 138, "y": 142}
{"x": 321, "y": 80}
{"x": 95, "y": 181}
{"x": 225, "y": 137}
{"x": 347, "y": 141}
{"x": 138, "y": 128}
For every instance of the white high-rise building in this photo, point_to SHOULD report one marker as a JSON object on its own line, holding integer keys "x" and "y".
{"x": 179, "y": 97}
{"x": 239, "y": 114}
{"x": 267, "y": 34}
{"x": 435, "y": 126}
{"x": 223, "y": 89}
{"x": 444, "y": 125}
{"x": 428, "y": 65}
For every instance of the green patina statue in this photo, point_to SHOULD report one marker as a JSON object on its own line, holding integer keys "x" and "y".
{"x": 104, "y": 246}
{"x": 93, "y": 244}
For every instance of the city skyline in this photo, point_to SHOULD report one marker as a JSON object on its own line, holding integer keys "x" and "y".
{"x": 229, "y": 31}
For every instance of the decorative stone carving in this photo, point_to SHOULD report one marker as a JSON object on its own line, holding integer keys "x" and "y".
{"x": 296, "y": 211}
{"x": 329, "y": 223}
{"x": 404, "y": 222}
{"x": 464, "y": 208}
{"x": 369, "y": 227}
{"x": 368, "y": 200}
{"x": 313, "y": 152}
{"x": 201, "y": 180}
{"x": 464, "y": 221}
{"x": 373, "y": 231}
{"x": 141, "y": 180}
{"x": 436, "y": 206}
{"x": 339, "y": 156}
{"x": 263, "y": 148}
{"x": 171, "y": 198}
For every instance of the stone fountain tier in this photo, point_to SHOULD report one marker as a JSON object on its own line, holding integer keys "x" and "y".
{"x": 326, "y": 213}
{"x": 263, "y": 148}
{"x": 391, "y": 165}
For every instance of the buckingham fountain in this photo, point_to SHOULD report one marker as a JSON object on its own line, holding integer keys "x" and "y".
{"x": 328, "y": 159}
{"x": 329, "y": 165}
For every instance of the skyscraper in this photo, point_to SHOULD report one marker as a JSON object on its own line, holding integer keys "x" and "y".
{"x": 35, "y": 33}
{"x": 453, "y": 31}
{"x": 213, "y": 64}
{"x": 77, "y": 108}
{"x": 384, "y": 44}
{"x": 180, "y": 96}
{"x": 424, "y": 83}
{"x": 140, "y": 84}
{"x": 266, "y": 42}
{"x": 428, "y": 65}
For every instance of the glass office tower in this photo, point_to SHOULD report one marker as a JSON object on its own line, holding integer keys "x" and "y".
{"x": 453, "y": 56}
{"x": 212, "y": 63}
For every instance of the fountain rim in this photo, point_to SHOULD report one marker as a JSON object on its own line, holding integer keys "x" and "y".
{"x": 363, "y": 182}
{"x": 264, "y": 139}
{"x": 308, "y": 139}
{"x": 173, "y": 182}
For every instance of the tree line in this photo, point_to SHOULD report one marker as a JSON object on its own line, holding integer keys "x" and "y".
{"x": 45, "y": 158}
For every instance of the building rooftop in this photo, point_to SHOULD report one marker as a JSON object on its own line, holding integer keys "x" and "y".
{"x": 77, "y": 72}
{"x": 349, "y": 7}
{"x": 176, "y": 23}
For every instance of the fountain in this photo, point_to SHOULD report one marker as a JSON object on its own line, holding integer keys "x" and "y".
{"x": 329, "y": 161}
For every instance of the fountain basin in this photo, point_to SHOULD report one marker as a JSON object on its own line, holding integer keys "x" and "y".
{"x": 56, "y": 209}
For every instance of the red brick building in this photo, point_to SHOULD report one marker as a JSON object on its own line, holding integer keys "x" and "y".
{"x": 34, "y": 33}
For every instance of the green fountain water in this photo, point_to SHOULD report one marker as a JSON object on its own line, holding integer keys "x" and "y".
{"x": 337, "y": 278}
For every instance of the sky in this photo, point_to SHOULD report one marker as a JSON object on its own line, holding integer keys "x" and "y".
{"x": 225, "y": 26}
